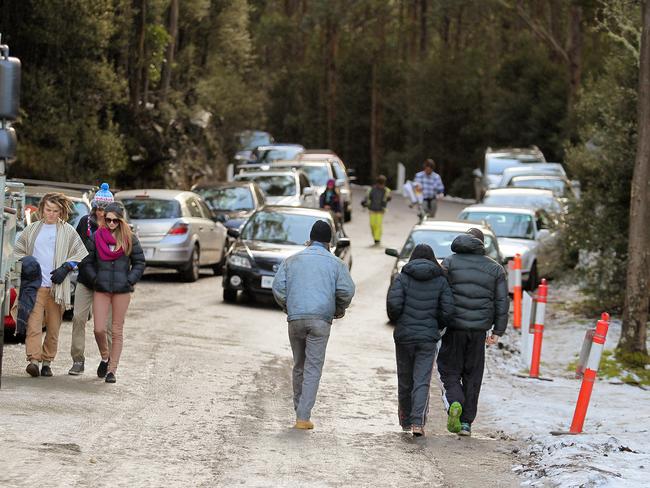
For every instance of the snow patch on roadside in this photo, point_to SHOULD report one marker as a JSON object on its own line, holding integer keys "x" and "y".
{"x": 613, "y": 451}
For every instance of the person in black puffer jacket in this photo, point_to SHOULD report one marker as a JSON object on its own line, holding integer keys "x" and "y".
{"x": 420, "y": 301}
{"x": 481, "y": 300}
{"x": 116, "y": 265}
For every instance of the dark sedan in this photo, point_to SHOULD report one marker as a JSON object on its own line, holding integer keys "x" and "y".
{"x": 232, "y": 203}
{"x": 271, "y": 235}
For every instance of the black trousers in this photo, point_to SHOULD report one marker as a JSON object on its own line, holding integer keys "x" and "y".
{"x": 460, "y": 365}
{"x": 414, "y": 368}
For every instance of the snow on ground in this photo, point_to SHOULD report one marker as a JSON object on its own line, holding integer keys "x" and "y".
{"x": 614, "y": 449}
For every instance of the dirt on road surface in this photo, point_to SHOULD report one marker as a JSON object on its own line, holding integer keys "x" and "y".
{"x": 203, "y": 398}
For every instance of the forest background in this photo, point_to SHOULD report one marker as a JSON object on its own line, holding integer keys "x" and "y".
{"x": 146, "y": 93}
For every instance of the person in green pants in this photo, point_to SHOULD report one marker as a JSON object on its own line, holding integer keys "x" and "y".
{"x": 376, "y": 200}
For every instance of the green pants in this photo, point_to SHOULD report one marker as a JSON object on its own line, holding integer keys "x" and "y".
{"x": 376, "y": 224}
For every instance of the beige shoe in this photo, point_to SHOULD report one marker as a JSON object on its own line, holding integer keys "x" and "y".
{"x": 418, "y": 430}
{"x": 304, "y": 425}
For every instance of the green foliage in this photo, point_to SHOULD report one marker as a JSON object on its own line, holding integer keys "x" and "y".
{"x": 625, "y": 367}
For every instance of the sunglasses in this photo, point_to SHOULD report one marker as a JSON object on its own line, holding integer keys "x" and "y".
{"x": 112, "y": 221}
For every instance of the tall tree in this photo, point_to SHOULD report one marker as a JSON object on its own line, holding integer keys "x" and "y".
{"x": 637, "y": 294}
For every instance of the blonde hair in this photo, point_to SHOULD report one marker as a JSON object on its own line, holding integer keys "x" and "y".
{"x": 58, "y": 199}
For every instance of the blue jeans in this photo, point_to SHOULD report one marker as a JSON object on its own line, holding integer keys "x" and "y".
{"x": 308, "y": 338}
{"x": 414, "y": 367}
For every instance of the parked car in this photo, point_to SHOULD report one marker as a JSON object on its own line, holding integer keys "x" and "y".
{"x": 559, "y": 185}
{"x": 524, "y": 197}
{"x": 497, "y": 160}
{"x": 537, "y": 169}
{"x": 283, "y": 187}
{"x": 271, "y": 235}
{"x": 519, "y": 230}
{"x": 342, "y": 175}
{"x": 275, "y": 152}
{"x": 248, "y": 140}
{"x": 176, "y": 230}
{"x": 231, "y": 203}
{"x": 81, "y": 196}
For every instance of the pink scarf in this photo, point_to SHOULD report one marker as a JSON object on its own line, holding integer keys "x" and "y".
{"x": 104, "y": 239}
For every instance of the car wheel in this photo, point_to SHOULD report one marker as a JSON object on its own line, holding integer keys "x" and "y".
{"x": 229, "y": 295}
{"x": 192, "y": 269}
{"x": 218, "y": 268}
{"x": 533, "y": 279}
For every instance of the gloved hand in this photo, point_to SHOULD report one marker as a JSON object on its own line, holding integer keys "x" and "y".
{"x": 59, "y": 274}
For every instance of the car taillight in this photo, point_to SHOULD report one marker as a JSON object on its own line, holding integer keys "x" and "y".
{"x": 179, "y": 229}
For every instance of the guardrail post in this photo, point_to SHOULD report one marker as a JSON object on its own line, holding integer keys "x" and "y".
{"x": 516, "y": 322}
{"x": 538, "y": 328}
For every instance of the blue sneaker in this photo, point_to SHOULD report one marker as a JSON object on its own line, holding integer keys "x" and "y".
{"x": 453, "y": 418}
{"x": 465, "y": 429}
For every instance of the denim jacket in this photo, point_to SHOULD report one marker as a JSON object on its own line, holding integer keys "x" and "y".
{"x": 313, "y": 284}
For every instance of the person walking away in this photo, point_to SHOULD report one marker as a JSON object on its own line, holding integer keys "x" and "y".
{"x": 116, "y": 265}
{"x": 431, "y": 186}
{"x": 376, "y": 200}
{"x": 57, "y": 248}
{"x": 421, "y": 303}
{"x": 312, "y": 287}
{"x": 83, "y": 298}
{"x": 330, "y": 199}
{"x": 480, "y": 291}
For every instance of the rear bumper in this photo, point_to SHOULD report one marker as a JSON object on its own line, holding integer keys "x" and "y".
{"x": 165, "y": 255}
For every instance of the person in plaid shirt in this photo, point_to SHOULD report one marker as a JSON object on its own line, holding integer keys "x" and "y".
{"x": 432, "y": 187}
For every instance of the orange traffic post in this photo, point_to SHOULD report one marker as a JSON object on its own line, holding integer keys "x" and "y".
{"x": 538, "y": 328}
{"x": 589, "y": 377}
{"x": 517, "y": 292}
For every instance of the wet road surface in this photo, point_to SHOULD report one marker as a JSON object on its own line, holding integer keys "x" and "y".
{"x": 203, "y": 398}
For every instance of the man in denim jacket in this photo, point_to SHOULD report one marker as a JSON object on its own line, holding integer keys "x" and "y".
{"x": 312, "y": 287}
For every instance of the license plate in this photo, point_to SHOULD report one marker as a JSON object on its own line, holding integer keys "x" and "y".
{"x": 148, "y": 252}
{"x": 267, "y": 281}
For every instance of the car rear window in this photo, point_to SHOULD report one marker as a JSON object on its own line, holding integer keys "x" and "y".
{"x": 151, "y": 208}
{"x": 317, "y": 174}
{"x": 440, "y": 241}
{"x": 272, "y": 185}
{"x": 280, "y": 228}
{"x": 232, "y": 199}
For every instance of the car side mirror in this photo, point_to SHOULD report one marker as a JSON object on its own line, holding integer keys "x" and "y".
{"x": 543, "y": 234}
{"x": 343, "y": 242}
{"x": 392, "y": 252}
{"x": 233, "y": 233}
{"x": 308, "y": 191}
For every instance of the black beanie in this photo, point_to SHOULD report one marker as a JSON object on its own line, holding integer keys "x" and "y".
{"x": 321, "y": 232}
{"x": 115, "y": 208}
{"x": 477, "y": 233}
{"x": 423, "y": 251}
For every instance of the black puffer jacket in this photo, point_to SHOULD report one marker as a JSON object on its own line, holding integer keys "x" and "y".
{"x": 479, "y": 286}
{"x": 117, "y": 276}
{"x": 82, "y": 230}
{"x": 421, "y": 303}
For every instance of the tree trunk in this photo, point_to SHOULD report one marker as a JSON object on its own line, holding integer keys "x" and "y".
{"x": 423, "y": 28}
{"x": 374, "y": 123}
{"x": 332, "y": 41}
{"x": 574, "y": 51}
{"x": 172, "y": 28}
{"x": 138, "y": 61}
{"x": 637, "y": 291}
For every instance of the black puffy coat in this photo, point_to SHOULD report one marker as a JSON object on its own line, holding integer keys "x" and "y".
{"x": 420, "y": 301}
{"x": 82, "y": 230}
{"x": 479, "y": 286}
{"x": 118, "y": 276}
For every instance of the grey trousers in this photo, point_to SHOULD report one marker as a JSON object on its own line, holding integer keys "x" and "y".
{"x": 308, "y": 340}
{"x": 83, "y": 305}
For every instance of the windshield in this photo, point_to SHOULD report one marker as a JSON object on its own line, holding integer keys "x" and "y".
{"x": 440, "y": 242}
{"x": 547, "y": 202}
{"x": 231, "y": 199}
{"x": 496, "y": 165}
{"x": 273, "y": 185}
{"x": 318, "y": 175}
{"x": 556, "y": 185}
{"x": 280, "y": 153}
{"x": 280, "y": 228}
{"x": 504, "y": 224}
{"x": 149, "y": 208}
{"x": 78, "y": 209}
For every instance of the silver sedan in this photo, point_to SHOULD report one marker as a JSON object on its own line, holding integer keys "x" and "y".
{"x": 177, "y": 230}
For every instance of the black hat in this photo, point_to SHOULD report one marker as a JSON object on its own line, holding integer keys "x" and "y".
{"x": 477, "y": 233}
{"x": 115, "y": 208}
{"x": 423, "y": 251}
{"x": 321, "y": 232}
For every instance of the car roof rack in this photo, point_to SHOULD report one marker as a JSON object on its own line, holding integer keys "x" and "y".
{"x": 56, "y": 184}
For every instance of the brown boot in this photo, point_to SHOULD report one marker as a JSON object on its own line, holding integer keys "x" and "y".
{"x": 303, "y": 425}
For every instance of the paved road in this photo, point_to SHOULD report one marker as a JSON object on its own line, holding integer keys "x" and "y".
{"x": 203, "y": 399}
